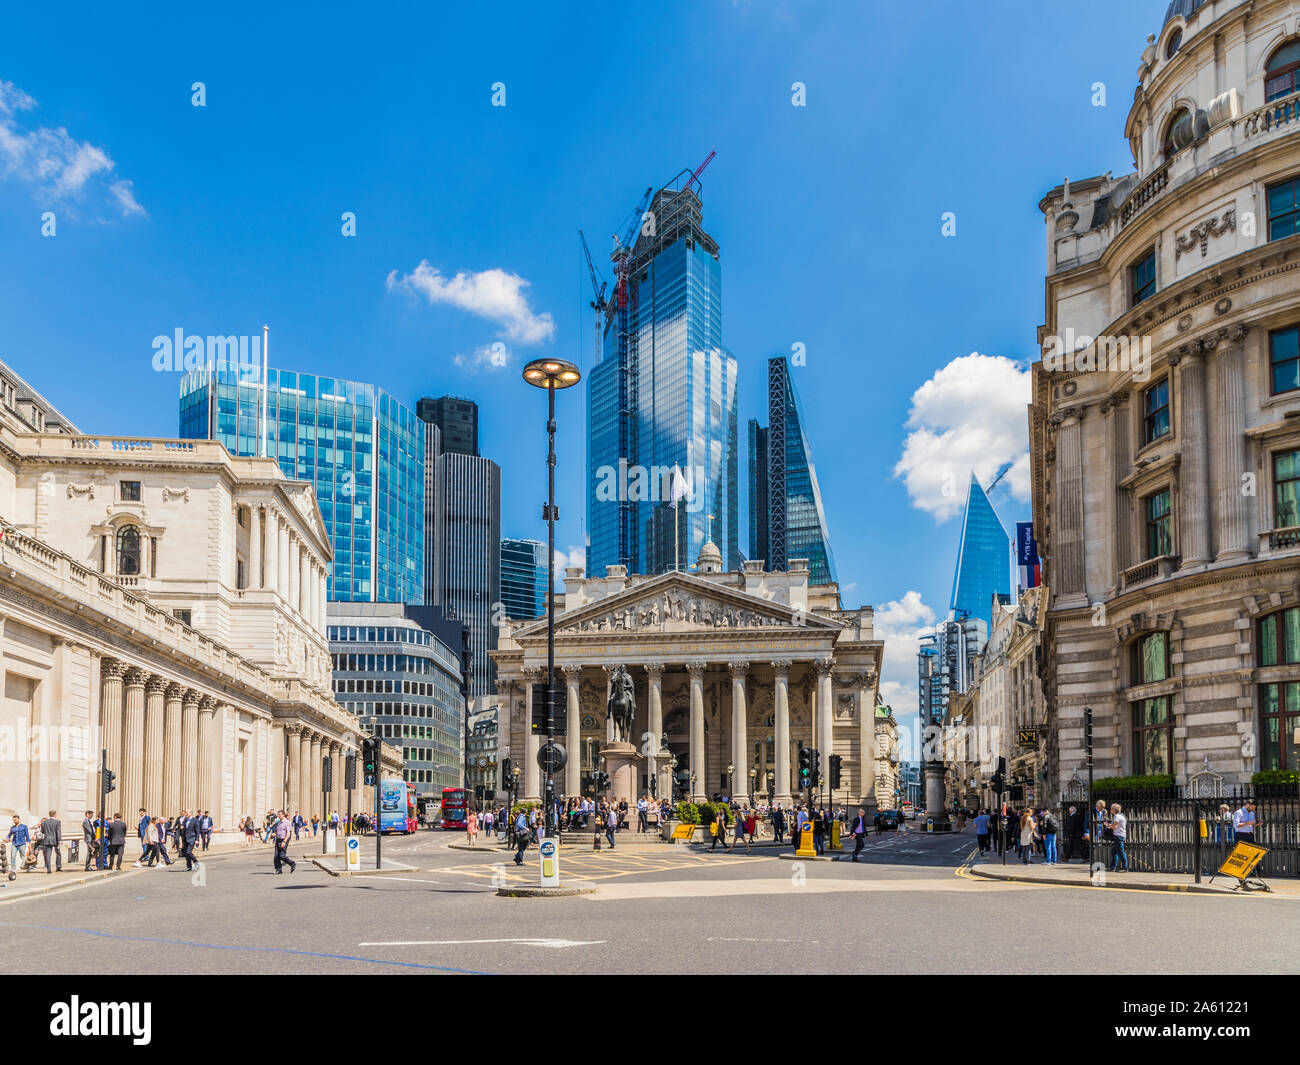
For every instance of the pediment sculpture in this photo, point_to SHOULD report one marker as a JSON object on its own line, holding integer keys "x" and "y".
{"x": 675, "y": 606}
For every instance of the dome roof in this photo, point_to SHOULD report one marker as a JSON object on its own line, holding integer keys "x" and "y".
{"x": 1186, "y": 8}
{"x": 710, "y": 560}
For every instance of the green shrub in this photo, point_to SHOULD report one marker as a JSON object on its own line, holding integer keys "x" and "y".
{"x": 1276, "y": 776}
{"x": 1154, "y": 782}
{"x": 687, "y": 813}
{"x": 709, "y": 812}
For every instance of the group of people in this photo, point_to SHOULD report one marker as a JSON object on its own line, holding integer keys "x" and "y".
{"x": 298, "y": 824}
{"x": 105, "y": 841}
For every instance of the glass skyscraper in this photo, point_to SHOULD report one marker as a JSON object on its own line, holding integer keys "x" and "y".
{"x": 523, "y": 578}
{"x": 983, "y": 559}
{"x": 663, "y": 398}
{"x": 361, "y": 450}
{"x": 786, "y": 518}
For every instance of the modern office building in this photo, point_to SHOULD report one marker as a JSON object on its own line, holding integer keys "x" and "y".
{"x": 359, "y": 448}
{"x": 523, "y": 578}
{"x": 786, "y": 518}
{"x": 663, "y": 398}
{"x": 983, "y": 559}
{"x": 398, "y": 670}
{"x": 462, "y": 567}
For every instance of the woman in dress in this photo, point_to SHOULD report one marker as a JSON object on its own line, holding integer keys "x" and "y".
{"x": 1027, "y": 834}
{"x": 471, "y": 826}
{"x": 248, "y": 832}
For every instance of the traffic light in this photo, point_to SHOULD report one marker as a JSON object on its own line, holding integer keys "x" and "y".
{"x": 816, "y": 767}
{"x": 835, "y": 771}
{"x": 999, "y": 781}
{"x": 805, "y": 766}
{"x": 350, "y": 773}
{"x": 110, "y": 779}
{"x": 559, "y": 709}
{"x": 370, "y": 760}
{"x": 1087, "y": 731}
{"x": 327, "y": 774}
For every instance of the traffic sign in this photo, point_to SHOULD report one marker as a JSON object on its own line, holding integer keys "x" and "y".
{"x": 354, "y": 854}
{"x": 549, "y": 858}
{"x": 552, "y": 757}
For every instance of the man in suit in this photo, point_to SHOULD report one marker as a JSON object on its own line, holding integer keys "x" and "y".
{"x": 205, "y": 829}
{"x": 115, "y": 839}
{"x": 142, "y": 834}
{"x": 281, "y": 830}
{"x": 88, "y": 837}
{"x": 859, "y": 831}
{"x": 51, "y": 839}
{"x": 189, "y": 837}
{"x": 298, "y": 822}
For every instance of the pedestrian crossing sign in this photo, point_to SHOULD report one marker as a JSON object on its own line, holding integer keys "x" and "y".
{"x": 354, "y": 854}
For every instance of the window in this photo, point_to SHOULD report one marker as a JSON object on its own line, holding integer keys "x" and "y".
{"x": 1281, "y": 71}
{"x": 128, "y": 551}
{"x": 1284, "y": 359}
{"x": 1153, "y": 737}
{"x": 1283, "y": 209}
{"x": 185, "y": 617}
{"x": 1279, "y": 638}
{"x": 130, "y": 491}
{"x": 1155, "y": 411}
{"x": 1150, "y": 662}
{"x": 1175, "y": 42}
{"x": 1159, "y": 541}
{"x": 1142, "y": 278}
{"x": 1286, "y": 481}
{"x": 1178, "y": 133}
{"x": 1279, "y": 703}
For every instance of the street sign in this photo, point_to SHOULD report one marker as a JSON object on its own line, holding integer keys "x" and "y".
{"x": 1241, "y": 862}
{"x": 354, "y": 854}
{"x": 552, "y": 757}
{"x": 1028, "y": 737}
{"x": 549, "y": 858}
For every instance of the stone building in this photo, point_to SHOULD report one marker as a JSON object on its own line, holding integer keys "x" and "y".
{"x": 1164, "y": 428}
{"x": 165, "y": 602}
{"x": 731, "y": 670}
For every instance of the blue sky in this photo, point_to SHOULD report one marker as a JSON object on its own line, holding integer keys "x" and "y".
{"x": 219, "y": 218}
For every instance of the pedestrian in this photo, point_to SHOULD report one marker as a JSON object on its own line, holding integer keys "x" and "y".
{"x": 315, "y": 824}
{"x": 1119, "y": 830}
{"x": 489, "y": 823}
{"x": 1026, "y": 835}
{"x": 1243, "y": 824}
{"x": 778, "y": 823}
{"x": 115, "y": 840}
{"x": 521, "y": 836}
{"x": 720, "y": 828}
{"x": 612, "y": 820}
{"x": 859, "y": 831}
{"x": 249, "y": 831}
{"x": 800, "y": 826}
{"x": 189, "y": 837}
{"x": 982, "y": 831}
{"x": 88, "y": 838}
{"x": 1073, "y": 833}
{"x": 751, "y": 828}
{"x": 819, "y": 830}
{"x": 879, "y": 823}
{"x": 642, "y": 814}
{"x": 19, "y": 839}
{"x": 158, "y": 835}
{"x": 471, "y": 827}
{"x": 299, "y": 823}
{"x": 142, "y": 833}
{"x": 205, "y": 829}
{"x": 283, "y": 826}
{"x": 1048, "y": 827}
{"x": 1223, "y": 830}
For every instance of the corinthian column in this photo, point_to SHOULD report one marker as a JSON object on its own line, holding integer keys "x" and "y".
{"x": 739, "y": 731}
{"x": 110, "y": 710}
{"x": 781, "y": 787}
{"x": 292, "y": 732}
{"x": 255, "y": 547}
{"x": 294, "y": 572}
{"x": 1230, "y": 453}
{"x": 190, "y": 749}
{"x": 655, "y": 720}
{"x": 171, "y": 790}
{"x": 154, "y": 712}
{"x": 532, "y": 773}
{"x": 867, "y": 752}
{"x": 825, "y": 741}
{"x": 273, "y": 551}
{"x": 316, "y": 767}
{"x": 208, "y": 799}
{"x": 304, "y": 584}
{"x": 132, "y": 795}
{"x": 283, "y": 556}
{"x": 573, "y": 731}
{"x": 1193, "y": 483}
{"x": 696, "y": 667}
{"x": 336, "y": 779}
{"x": 303, "y": 798}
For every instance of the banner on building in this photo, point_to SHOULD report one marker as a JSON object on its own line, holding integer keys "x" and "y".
{"x": 1031, "y": 573}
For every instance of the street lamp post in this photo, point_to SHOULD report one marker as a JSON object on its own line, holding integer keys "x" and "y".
{"x": 550, "y": 374}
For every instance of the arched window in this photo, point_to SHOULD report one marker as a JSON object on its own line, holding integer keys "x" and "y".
{"x": 128, "y": 551}
{"x": 1175, "y": 42}
{"x": 1282, "y": 71}
{"x": 1153, "y": 726}
{"x": 1178, "y": 133}
{"x": 1279, "y": 702}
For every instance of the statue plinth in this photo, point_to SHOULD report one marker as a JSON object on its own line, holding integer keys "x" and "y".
{"x": 621, "y": 760}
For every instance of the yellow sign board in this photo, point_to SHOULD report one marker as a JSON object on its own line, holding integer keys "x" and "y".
{"x": 1242, "y": 861}
{"x": 683, "y": 831}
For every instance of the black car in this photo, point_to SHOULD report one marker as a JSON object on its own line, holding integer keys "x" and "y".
{"x": 889, "y": 819}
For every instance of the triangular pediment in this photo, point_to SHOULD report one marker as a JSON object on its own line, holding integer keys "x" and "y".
{"x": 676, "y": 603}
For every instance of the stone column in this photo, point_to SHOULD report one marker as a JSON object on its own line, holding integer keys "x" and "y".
{"x": 696, "y": 667}
{"x": 171, "y": 789}
{"x": 1071, "y": 535}
{"x": 532, "y": 744}
{"x": 1193, "y": 542}
{"x": 131, "y": 796}
{"x": 825, "y": 737}
{"x": 272, "y": 524}
{"x": 336, "y": 779}
{"x": 573, "y": 731}
{"x": 316, "y": 769}
{"x": 867, "y": 750}
{"x": 739, "y": 732}
{"x": 294, "y": 574}
{"x": 207, "y": 799}
{"x": 232, "y": 529}
{"x": 1230, "y": 453}
{"x": 304, "y": 583}
{"x": 110, "y": 711}
{"x": 292, "y": 732}
{"x": 781, "y": 788}
{"x": 190, "y": 749}
{"x": 283, "y": 555}
{"x": 1120, "y": 429}
{"x": 303, "y": 799}
{"x": 154, "y": 750}
{"x": 255, "y": 547}
{"x": 655, "y": 721}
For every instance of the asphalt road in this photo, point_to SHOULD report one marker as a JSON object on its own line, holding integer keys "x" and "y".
{"x": 905, "y": 908}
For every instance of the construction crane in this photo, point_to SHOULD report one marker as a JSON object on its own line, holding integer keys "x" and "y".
{"x": 623, "y": 248}
{"x": 1006, "y": 468}
{"x": 598, "y": 303}
{"x": 699, "y": 170}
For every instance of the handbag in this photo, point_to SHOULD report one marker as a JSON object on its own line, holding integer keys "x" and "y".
{"x": 1108, "y": 835}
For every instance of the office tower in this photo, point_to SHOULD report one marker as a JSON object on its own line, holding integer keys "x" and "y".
{"x": 457, "y": 421}
{"x": 361, "y": 450}
{"x": 663, "y": 398}
{"x": 786, "y": 519}
{"x": 523, "y": 578}
{"x": 983, "y": 559}
{"x": 946, "y": 664}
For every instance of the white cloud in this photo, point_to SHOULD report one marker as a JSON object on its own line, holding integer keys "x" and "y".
{"x": 575, "y": 556}
{"x": 65, "y": 171}
{"x": 970, "y": 416}
{"x": 901, "y": 623}
{"x": 494, "y": 356}
{"x": 495, "y": 294}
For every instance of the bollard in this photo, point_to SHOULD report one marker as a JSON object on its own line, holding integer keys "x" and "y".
{"x": 595, "y": 843}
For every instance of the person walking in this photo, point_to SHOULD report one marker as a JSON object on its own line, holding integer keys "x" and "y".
{"x": 1119, "y": 829}
{"x": 189, "y": 837}
{"x": 1048, "y": 827}
{"x": 612, "y": 819}
{"x": 879, "y": 823}
{"x": 205, "y": 829}
{"x": 982, "y": 831}
{"x": 19, "y": 839}
{"x": 521, "y": 836}
{"x": 859, "y": 831}
{"x": 158, "y": 837}
{"x": 778, "y": 823}
{"x": 471, "y": 827}
{"x": 720, "y": 829}
{"x": 115, "y": 841}
{"x": 142, "y": 834}
{"x": 88, "y": 838}
{"x": 1026, "y": 836}
{"x": 819, "y": 830}
{"x": 51, "y": 839}
{"x": 280, "y": 832}
{"x": 1073, "y": 833}
{"x": 249, "y": 831}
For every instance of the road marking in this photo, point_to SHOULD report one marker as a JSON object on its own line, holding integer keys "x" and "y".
{"x": 404, "y": 879}
{"x": 557, "y": 944}
{"x": 750, "y": 939}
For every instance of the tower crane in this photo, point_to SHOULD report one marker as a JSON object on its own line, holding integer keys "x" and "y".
{"x": 598, "y": 303}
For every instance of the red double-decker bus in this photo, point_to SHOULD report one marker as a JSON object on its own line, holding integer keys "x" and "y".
{"x": 455, "y": 804}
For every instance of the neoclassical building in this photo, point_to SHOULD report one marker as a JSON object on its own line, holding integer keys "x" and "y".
{"x": 163, "y": 602}
{"x": 1165, "y": 424}
{"x": 731, "y": 671}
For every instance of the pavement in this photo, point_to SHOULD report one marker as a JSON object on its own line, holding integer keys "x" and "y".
{"x": 1081, "y": 875}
